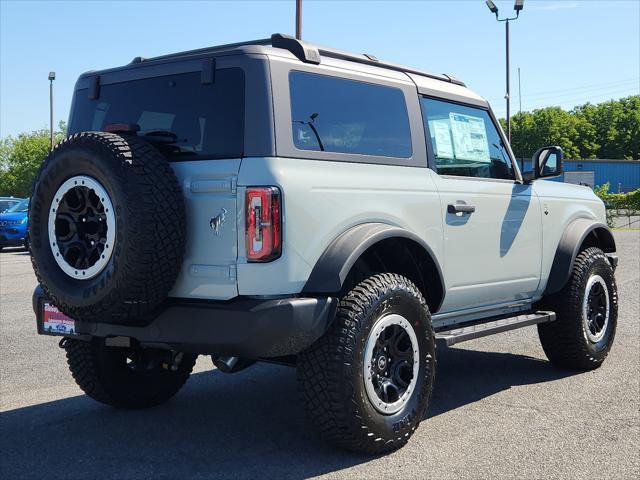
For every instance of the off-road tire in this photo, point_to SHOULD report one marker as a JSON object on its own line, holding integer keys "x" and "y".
{"x": 565, "y": 341}
{"x": 331, "y": 371}
{"x": 150, "y": 228}
{"x": 103, "y": 374}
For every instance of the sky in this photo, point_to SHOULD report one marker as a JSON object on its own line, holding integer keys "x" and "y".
{"x": 569, "y": 52}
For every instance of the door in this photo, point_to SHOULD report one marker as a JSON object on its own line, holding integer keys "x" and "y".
{"x": 491, "y": 223}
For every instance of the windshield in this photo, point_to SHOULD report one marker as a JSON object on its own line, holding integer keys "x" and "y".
{"x": 5, "y": 204}
{"x": 183, "y": 117}
{"x": 23, "y": 206}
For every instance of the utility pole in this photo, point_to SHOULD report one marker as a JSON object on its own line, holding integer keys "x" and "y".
{"x": 52, "y": 77}
{"x": 518, "y": 6}
{"x": 299, "y": 19}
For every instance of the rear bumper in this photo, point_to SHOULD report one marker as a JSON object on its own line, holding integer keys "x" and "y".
{"x": 244, "y": 327}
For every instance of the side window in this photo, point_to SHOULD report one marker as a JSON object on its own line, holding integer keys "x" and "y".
{"x": 346, "y": 116}
{"x": 465, "y": 141}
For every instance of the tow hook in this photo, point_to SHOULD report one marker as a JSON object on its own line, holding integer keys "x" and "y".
{"x": 174, "y": 362}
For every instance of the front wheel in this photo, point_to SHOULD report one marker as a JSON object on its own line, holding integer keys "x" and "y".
{"x": 586, "y": 314}
{"x": 368, "y": 380}
{"x": 126, "y": 377}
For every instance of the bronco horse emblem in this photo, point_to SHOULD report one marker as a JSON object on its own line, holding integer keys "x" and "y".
{"x": 216, "y": 222}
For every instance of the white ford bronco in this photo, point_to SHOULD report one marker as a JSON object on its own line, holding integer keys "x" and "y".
{"x": 279, "y": 201}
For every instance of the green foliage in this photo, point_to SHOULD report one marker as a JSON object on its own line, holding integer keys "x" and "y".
{"x": 607, "y": 130}
{"x": 618, "y": 204}
{"x": 20, "y": 159}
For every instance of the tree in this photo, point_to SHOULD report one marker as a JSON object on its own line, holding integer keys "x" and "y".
{"x": 607, "y": 130}
{"x": 20, "y": 159}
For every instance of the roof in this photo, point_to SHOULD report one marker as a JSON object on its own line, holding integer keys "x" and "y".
{"x": 306, "y": 52}
{"x": 285, "y": 45}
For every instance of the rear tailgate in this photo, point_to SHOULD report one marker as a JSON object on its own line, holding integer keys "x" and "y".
{"x": 209, "y": 267}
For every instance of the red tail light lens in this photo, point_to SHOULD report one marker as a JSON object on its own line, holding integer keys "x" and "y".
{"x": 263, "y": 225}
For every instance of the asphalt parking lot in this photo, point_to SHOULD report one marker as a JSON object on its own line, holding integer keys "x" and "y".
{"x": 499, "y": 410}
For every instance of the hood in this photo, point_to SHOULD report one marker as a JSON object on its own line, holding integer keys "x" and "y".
{"x": 548, "y": 188}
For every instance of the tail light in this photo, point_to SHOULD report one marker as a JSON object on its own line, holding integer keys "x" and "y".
{"x": 264, "y": 224}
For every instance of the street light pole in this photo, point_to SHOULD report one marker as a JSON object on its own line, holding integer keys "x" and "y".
{"x": 52, "y": 77}
{"x": 518, "y": 6}
{"x": 299, "y": 19}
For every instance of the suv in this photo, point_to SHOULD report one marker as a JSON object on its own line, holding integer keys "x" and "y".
{"x": 283, "y": 202}
{"x": 13, "y": 224}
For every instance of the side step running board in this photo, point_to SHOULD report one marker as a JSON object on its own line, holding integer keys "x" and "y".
{"x": 457, "y": 335}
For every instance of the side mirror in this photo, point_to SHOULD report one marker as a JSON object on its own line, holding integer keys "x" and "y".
{"x": 547, "y": 162}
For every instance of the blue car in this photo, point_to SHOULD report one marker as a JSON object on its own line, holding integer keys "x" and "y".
{"x": 7, "y": 202}
{"x": 13, "y": 226}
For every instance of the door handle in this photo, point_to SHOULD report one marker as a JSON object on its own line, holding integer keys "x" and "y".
{"x": 460, "y": 208}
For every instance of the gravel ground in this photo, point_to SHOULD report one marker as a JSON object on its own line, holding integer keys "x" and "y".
{"x": 499, "y": 410}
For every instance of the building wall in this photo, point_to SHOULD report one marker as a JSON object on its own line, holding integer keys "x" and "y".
{"x": 623, "y": 175}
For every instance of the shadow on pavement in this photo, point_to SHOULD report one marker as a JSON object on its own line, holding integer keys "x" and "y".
{"x": 466, "y": 376}
{"x": 246, "y": 425}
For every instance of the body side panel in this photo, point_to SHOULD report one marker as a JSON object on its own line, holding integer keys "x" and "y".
{"x": 322, "y": 200}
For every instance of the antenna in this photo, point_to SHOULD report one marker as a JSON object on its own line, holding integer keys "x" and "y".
{"x": 52, "y": 77}
{"x": 520, "y": 113}
{"x": 519, "y": 92}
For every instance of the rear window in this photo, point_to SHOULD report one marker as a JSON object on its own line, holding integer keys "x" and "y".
{"x": 183, "y": 117}
{"x": 347, "y": 116}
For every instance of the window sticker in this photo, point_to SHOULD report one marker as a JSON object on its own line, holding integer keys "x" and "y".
{"x": 442, "y": 137}
{"x": 469, "y": 138}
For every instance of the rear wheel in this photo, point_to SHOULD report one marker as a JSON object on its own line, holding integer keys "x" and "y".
{"x": 587, "y": 314}
{"x": 368, "y": 380}
{"x": 127, "y": 377}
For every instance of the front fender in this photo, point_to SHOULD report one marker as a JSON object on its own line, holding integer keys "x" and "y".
{"x": 569, "y": 246}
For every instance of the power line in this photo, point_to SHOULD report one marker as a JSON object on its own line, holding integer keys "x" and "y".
{"x": 583, "y": 89}
{"x": 598, "y": 98}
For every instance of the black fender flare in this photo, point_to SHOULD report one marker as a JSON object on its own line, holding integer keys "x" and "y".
{"x": 569, "y": 246}
{"x": 333, "y": 266}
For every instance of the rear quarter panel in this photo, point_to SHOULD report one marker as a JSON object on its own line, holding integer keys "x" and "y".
{"x": 321, "y": 200}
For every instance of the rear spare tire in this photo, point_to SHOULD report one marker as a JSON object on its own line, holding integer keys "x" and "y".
{"x": 107, "y": 227}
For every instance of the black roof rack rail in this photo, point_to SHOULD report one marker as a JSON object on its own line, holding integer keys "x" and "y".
{"x": 217, "y": 48}
{"x": 312, "y": 54}
{"x": 307, "y": 53}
